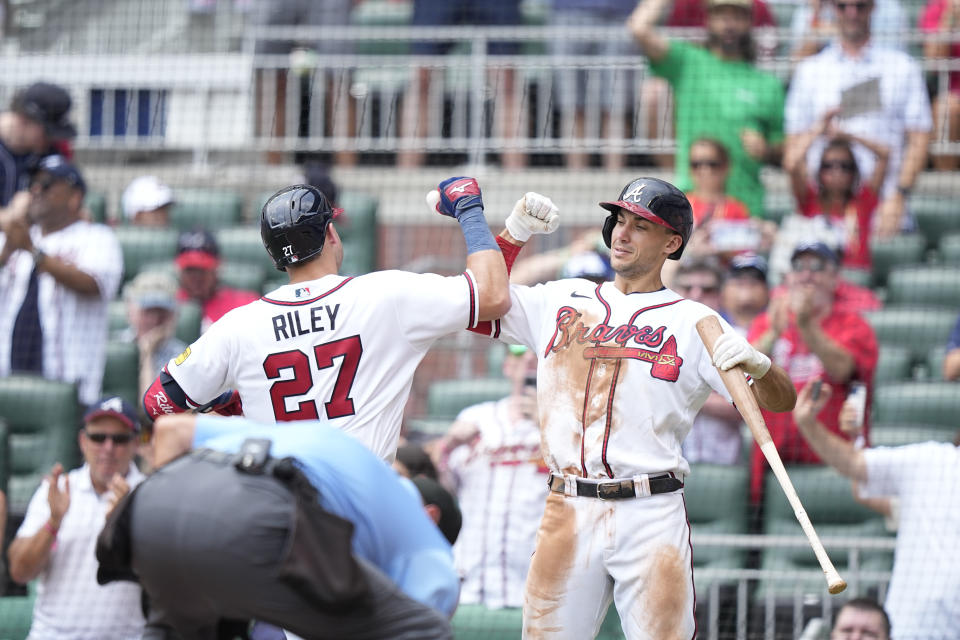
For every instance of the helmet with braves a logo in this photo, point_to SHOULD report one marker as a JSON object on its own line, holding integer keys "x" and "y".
{"x": 657, "y": 201}
{"x": 293, "y": 224}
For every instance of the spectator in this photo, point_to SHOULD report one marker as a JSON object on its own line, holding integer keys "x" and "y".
{"x": 610, "y": 93}
{"x": 714, "y": 436}
{"x": 35, "y": 122}
{"x": 585, "y": 257}
{"x": 146, "y": 202}
{"x": 152, "y": 316}
{"x": 951, "y": 361}
{"x": 745, "y": 294}
{"x": 440, "y": 506}
{"x": 923, "y": 599}
{"x": 419, "y": 112}
{"x": 216, "y": 523}
{"x": 723, "y": 224}
{"x": 810, "y": 338}
{"x": 491, "y": 454}
{"x": 55, "y": 543}
{"x": 941, "y": 17}
{"x": 413, "y": 461}
{"x": 815, "y": 23}
{"x": 57, "y": 276}
{"x": 861, "y": 618}
{"x": 840, "y": 196}
{"x": 304, "y": 57}
{"x": 719, "y": 93}
{"x": 198, "y": 258}
{"x": 889, "y": 105}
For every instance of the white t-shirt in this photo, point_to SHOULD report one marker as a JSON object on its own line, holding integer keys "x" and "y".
{"x": 70, "y": 603}
{"x": 620, "y": 376}
{"x": 74, "y": 326}
{"x": 924, "y": 597}
{"x": 341, "y": 348}
{"x": 502, "y": 489}
{"x": 904, "y": 105}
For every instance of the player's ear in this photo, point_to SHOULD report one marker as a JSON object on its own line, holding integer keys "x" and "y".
{"x": 673, "y": 242}
{"x": 433, "y": 512}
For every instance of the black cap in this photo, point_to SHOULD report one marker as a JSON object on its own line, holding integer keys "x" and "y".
{"x": 114, "y": 407}
{"x": 47, "y": 104}
{"x": 197, "y": 249}
{"x": 748, "y": 264}
{"x": 416, "y": 460}
{"x": 60, "y": 168}
{"x": 450, "y": 517}
{"x": 818, "y": 248}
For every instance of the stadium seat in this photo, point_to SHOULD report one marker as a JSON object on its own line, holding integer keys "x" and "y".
{"x": 919, "y": 329}
{"x": 716, "y": 499}
{"x": 828, "y": 500}
{"x": 859, "y": 277}
{"x": 16, "y": 615}
{"x": 935, "y": 403}
{"x": 924, "y": 286}
{"x": 96, "y": 203}
{"x": 243, "y": 244}
{"x": 43, "y": 417}
{"x": 242, "y": 275}
{"x": 208, "y": 208}
{"x": 936, "y": 217}
{"x": 949, "y": 248}
{"x": 4, "y": 457}
{"x": 477, "y": 622}
{"x": 445, "y": 398}
{"x": 935, "y": 358}
{"x": 116, "y": 317}
{"x": 121, "y": 371}
{"x": 894, "y": 252}
{"x": 895, "y": 363}
{"x": 897, "y": 434}
{"x": 189, "y": 317}
{"x": 142, "y": 246}
{"x": 359, "y": 231}
{"x": 381, "y": 78}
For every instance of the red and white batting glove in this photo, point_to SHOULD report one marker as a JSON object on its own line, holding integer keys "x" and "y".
{"x": 731, "y": 349}
{"x": 532, "y": 214}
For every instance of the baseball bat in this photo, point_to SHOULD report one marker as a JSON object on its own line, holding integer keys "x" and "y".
{"x": 733, "y": 379}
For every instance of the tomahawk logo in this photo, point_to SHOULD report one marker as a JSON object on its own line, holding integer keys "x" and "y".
{"x": 634, "y": 194}
{"x": 460, "y": 189}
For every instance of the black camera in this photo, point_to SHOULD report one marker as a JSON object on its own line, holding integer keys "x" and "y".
{"x": 530, "y": 380}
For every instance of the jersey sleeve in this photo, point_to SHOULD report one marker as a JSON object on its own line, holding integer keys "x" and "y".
{"x": 105, "y": 264}
{"x": 521, "y": 324}
{"x": 890, "y": 469}
{"x": 428, "y": 305}
{"x": 203, "y": 369}
{"x": 671, "y": 66}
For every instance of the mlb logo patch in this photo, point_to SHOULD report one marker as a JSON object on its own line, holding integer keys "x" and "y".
{"x": 302, "y": 292}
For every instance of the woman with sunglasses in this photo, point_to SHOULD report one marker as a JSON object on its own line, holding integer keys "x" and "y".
{"x": 838, "y": 194}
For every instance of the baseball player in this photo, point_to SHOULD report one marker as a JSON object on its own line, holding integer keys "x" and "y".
{"x": 332, "y": 346}
{"x": 621, "y": 374}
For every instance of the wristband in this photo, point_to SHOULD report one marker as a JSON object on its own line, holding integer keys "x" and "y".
{"x": 49, "y": 528}
{"x": 476, "y": 232}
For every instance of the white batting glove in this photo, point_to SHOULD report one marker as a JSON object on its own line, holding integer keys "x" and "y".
{"x": 731, "y": 349}
{"x": 532, "y": 214}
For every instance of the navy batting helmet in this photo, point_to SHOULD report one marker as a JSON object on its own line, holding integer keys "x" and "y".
{"x": 657, "y": 201}
{"x": 293, "y": 224}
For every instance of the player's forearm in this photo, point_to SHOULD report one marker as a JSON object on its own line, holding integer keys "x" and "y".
{"x": 173, "y": 437}
{"x": 28, "y": 556}
{"x": 834, "y": 450}
{"x": 775, "y": 391}
{"x": 914, "y": 159}
{"x": 69, "y": 276}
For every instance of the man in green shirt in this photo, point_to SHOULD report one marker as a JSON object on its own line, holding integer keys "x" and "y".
{"x": 719, "y": 93}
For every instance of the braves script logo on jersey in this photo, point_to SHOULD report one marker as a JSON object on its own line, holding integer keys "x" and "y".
{"x": 665, "y": 363}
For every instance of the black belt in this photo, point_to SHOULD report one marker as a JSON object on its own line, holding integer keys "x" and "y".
{"x": 617, "y": 489}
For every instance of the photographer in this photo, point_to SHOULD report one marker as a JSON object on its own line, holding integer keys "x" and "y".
{"x": 491, "y": 454}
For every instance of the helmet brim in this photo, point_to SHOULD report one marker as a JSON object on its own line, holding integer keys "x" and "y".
{"x": 636, "y": 209}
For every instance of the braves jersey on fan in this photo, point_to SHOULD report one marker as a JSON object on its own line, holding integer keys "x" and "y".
{"x": 620, "y": 376}
{"x": 341, "y": 348}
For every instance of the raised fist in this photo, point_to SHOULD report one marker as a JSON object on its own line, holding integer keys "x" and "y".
{"x": 457, "y": 195}
{"x": 533, "y": 213}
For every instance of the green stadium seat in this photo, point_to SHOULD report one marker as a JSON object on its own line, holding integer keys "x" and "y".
{"x": 477, "y": 622}
{"x": 208, "y": 208}
{"x": 925, "y": 286}
{"x": 116, "y": 317}
{"x": 380, "y": 13}
{"x": 919, "y": 329}
{"x": 895, "y": 363}
{"x": 894, "y": 252}
{"x": 43, "y": 417}
{"x": 828, "y": 500}
{"x": 949, "y": 248}
{"x": 242, "y": 275}
{"x": 4, "y": 458}
{"x": 121, "y": 372}
{"x": 898, "y": 434}
{"x": 445, "y": 398}
{"x": 936, "y": 217}
{"x": 935, "y": 358}
{"x": 359, "y": 231}
{"x": 96, "y": 203}
{"x": 859, "y": 277}
{"x": 16, "y": 616}
{"x": 936, "y": 403}
{"x": 142, "y": 246}
{"x": 189, "y": 318}
{"x": 243, "y": 245}
{"x": 716, "y": 499}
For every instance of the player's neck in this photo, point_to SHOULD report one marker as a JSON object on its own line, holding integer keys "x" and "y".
{"x": 644, "y": 283}
{"x": 313, "y": 270}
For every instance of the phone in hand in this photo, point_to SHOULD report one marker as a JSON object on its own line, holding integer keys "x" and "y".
{"x": 815, "y": 393}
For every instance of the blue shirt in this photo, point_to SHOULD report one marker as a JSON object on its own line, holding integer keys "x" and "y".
{"x": 391, "y": 528}
{"x": 954, "y": 340}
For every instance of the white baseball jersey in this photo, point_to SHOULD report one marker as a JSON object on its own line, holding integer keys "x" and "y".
{"x": 502, "y": 488}
{"x": 620, "y": 377}
{"x": 338, "y": 347}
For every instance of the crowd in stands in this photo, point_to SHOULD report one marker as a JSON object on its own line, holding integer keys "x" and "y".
{"x": 851, "y": 133}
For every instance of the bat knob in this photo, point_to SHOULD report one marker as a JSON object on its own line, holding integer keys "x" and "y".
{"x": 836, "y": 585}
